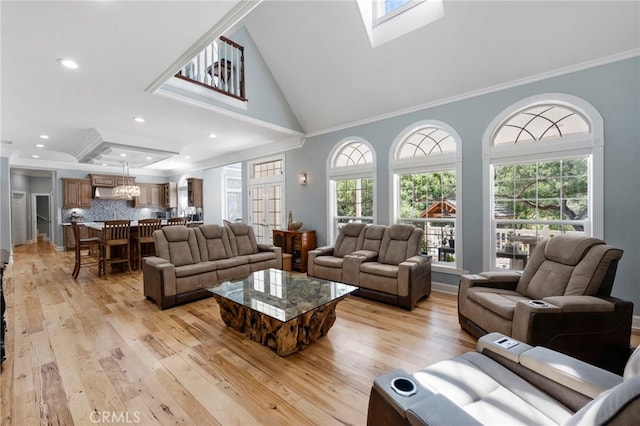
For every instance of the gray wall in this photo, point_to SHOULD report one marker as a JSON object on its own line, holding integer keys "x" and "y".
{"x": 613, "y": 89}
{"x": 5, "y": 205}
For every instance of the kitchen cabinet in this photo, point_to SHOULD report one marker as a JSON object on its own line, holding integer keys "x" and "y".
{"x": 76, "y": 193}
{"x": 170, "y": 199}
{"x": 151, "y": 195}
{"x": 111, "y": 181}
{"x": 194, "y": 192}
{"x": 297, "y": 244}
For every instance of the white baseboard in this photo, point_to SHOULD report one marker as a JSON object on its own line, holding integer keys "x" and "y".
{"x": 453, "y": 289}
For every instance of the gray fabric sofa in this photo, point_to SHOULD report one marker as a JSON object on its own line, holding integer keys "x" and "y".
{"x": 190, "y": 259}
{"x": 383, "y": 261}
{"x": 561, "y": 300}
{"x": 508, "y": 385}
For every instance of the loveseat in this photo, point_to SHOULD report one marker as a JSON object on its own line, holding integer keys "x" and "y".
{"x": 507, "y": 382}
{"x": 562, "y": 300}
{"x": 383, "y": 261}
{"x": 190, "y": 259}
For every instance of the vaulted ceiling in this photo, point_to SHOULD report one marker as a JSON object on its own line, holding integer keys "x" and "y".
{"x": 317, "y": 52}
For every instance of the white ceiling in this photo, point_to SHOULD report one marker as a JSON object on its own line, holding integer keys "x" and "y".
{"x": 318, "y": 53}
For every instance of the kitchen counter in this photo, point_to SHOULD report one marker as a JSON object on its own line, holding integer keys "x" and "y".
{"x": 134, "y": 223}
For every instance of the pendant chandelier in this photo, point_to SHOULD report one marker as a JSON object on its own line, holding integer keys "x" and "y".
{"x": 126, "y": 191}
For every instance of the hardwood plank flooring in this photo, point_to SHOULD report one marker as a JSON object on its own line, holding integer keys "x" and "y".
{"x": 90, "y": 351}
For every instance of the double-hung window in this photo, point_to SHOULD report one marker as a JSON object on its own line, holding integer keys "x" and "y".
{"x": 424, "y": 169}
{"x": 351, "y": 172}
{"x": 543, "y": 173}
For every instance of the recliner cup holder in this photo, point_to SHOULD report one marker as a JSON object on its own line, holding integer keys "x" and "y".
{"x": 404, "y": 386}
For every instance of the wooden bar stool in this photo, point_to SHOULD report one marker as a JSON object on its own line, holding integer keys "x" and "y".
{"x": 115, "y": 245}
{"x": 177, "y": 221}
{"x": 144, "y": 238}
{"x": 90, "y": 245}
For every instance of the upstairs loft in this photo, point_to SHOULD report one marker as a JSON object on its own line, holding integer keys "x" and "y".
{"x": 218, "y": 67}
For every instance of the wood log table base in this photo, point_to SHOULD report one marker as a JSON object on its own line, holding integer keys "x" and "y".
{"x": 283, "y": 337}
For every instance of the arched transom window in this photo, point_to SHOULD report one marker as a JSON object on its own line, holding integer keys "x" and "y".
{"x": 425, "y": 142}
{"x": 353, "y": 154}
{"x": 541, "y": 122}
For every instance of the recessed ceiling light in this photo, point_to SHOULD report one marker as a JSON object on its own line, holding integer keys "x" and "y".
{"x": 68, "y": 63}
{"x": 187, "y": 156}
{"x": 39, "y": 145}
{"x": 139, "y": 119}
{"x": 35, "y": 156}
{"x": 212, "y": 135}
{"x": 44, "y": 136}
{"x": 148, "y": 158}
{"x": 123, "y": 155}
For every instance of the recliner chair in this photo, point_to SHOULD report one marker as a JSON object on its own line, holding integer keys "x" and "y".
{"x": 561, "y": 300}
{"x": 506, "y": 382}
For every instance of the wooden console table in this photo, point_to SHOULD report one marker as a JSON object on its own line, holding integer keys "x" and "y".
{"x": 297, "y": 244}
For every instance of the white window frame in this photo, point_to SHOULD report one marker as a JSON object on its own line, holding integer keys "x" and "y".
{"x": 590, "y": 145}
{"x": 264, "y": 181}
{"x": 362, "y": 171}
{"x": 429, "y": 164}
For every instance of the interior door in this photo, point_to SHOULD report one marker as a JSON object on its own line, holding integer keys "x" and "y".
{"x": 266, "y": 210}
{"x": 19, "y": 217}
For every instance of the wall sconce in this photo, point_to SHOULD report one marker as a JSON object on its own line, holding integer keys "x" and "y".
{"x": 302, "y": 179}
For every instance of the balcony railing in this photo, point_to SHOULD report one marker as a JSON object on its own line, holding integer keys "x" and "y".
{"x": 219, "y": 67}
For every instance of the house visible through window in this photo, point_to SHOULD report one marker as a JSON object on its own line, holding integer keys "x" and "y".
{"x": 424, "y": 169}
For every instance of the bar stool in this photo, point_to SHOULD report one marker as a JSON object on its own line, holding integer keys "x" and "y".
{"x": 88, "y": 244}
{"x": 144, "y": 238}
{"x": 177, "y": 221}
{"x": 115, "y": 241}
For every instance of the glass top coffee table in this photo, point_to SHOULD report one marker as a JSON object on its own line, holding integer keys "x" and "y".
{"x": 284, "y": 311}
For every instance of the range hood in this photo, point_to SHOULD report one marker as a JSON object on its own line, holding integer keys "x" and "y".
{"x": 103, "y": 193}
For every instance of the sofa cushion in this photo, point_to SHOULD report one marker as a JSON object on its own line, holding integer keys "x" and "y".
{"x": 349, "y": 239}
{"x": 329, "y": 261}
{"x": 491, "y": 393}
{"x": 195, "y": 269}
{"x": 373, "y": 237}
{"x": 214, "y": 242}
{"x": 399, "y": 243}
{"x": 620, "y": 405}
{"x": 550, "y": 280}
{"x": 569, "y": 249}
{"x": 242, "y": 239}
{"x": 377, "y": 268}
{"x": 501, "y": 302}
{"x": 177, "y": 244}
{"x": 262, "y": 256}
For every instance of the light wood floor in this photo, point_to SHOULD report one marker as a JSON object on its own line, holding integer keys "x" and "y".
{"x": 93, "y": 351}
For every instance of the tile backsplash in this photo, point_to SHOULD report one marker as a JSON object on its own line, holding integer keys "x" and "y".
{"x": 110, "y": 209}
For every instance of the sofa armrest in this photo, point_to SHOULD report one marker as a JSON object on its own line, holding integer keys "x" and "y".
{"x": 584, "y": 378}
{"x": 322, "y": 251}
{"x": 311, "y": 257}
{"x": 369, "y": 255}
{"x": 275, "y": 249}
{"x": 502, "y": 280}
{"x": 159, "y": 280}
{"x": 438, "y": 410}
{"x": 527, "y": 312}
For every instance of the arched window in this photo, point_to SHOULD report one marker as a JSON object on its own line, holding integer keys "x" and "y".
{"x": 351, "y": 174}
{"x": 543, "y": 174}
{"x": 424, "y": 168}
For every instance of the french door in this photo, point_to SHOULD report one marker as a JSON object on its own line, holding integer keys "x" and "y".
{"x": 266, "y": 210}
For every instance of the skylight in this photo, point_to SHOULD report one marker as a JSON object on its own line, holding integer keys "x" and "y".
{"x": 385, "y": 20}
